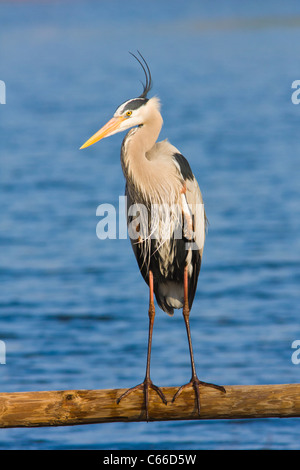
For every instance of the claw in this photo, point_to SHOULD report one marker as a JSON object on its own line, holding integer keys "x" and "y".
{"x": 145, "y": 387}
{"x": 196, "y": 383}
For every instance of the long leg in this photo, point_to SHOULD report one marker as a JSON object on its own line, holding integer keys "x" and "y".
{"x": 195, "y": 382}
{"x": 147, "y": 381}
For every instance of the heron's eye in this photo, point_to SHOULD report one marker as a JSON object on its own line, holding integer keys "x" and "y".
{"x": 128, "y": 113}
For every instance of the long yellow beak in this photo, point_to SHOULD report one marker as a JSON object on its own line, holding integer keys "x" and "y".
{"x": 110, "y": 127}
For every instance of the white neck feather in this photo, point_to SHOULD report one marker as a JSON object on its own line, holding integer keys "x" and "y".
{"x": 152, "y": 180}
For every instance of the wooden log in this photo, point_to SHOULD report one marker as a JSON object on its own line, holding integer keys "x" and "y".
{"x": 74, "y": 407}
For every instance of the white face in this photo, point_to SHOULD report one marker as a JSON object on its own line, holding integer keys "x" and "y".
{"x": 134, "y": 111}
{"x": 130, "y": 114}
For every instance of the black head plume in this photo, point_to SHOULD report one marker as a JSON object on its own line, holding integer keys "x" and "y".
{"x": 148, "y": 85}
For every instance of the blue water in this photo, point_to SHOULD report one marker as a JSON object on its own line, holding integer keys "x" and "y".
{"x": 73, "y": 308}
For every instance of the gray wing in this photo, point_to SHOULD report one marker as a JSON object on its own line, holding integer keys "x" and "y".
{"x": 195, "y": 208}
{"x": 194, "y": 221}
{"x": 192, "y": 204}
{"x": 139, "y": 246}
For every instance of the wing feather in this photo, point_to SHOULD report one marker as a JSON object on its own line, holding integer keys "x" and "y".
{"x": 194, "y": 221}
{"x": 193, "y": 230}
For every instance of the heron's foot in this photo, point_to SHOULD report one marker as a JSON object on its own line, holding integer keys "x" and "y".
{"x": 196, "y": 383}
{"x": 145, "y": 387}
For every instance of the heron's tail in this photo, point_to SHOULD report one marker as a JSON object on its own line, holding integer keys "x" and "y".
{"x": 169, "y": 295}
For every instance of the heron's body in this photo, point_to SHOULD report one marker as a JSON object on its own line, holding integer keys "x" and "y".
{"x": 165, "y": 214}
{"x": 159, "y": 167}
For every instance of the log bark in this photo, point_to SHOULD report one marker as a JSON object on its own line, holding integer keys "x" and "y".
{"x": 76, "y": 407}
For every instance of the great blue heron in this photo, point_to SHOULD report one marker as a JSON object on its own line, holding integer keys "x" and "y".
{"x": 157, "y": 175}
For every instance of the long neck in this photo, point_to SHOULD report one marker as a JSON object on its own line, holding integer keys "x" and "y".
{"x": 140, "y": 140}
{"x": 137, "y": 168}
{"x": 150, "y": 173}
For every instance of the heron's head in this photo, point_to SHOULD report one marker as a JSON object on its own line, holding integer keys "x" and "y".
{"x": 132, "y": 113}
